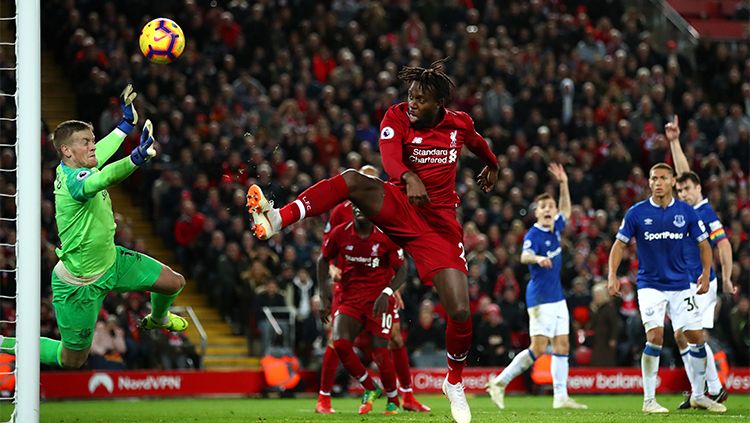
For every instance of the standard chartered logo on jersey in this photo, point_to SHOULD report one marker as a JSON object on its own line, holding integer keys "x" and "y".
{"x": 653, "y": 236}
{"x": 433, "y": 155}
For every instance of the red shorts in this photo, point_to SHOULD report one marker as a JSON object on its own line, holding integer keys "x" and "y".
{"x": 431, "y": 235}
{"x": 379, "y": 326}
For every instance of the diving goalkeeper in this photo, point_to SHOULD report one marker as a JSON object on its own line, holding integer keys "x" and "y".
{"x": 91, "y": 265}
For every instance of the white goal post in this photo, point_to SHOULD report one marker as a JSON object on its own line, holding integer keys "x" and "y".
{"x": 28, "y": 198}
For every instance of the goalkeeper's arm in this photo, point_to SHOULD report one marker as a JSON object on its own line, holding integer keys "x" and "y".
{"x": 107, "y": 146}
{"x": 121, "y": 169}
{"x": 110, "y": 175}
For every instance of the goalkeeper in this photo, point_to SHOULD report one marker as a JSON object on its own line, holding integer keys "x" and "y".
{"x": 91, "y": 265}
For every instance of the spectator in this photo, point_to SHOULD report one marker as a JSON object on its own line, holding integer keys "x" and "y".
{"x": 740, "y": 326}
{"x": 492, "y": 339}
{"x": 108, "y": 346}
{"x": 603, "y": 327}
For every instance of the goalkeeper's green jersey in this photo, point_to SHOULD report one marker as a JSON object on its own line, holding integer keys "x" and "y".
{"x": 85, "y": 223}
{"x": 83, "y": 210}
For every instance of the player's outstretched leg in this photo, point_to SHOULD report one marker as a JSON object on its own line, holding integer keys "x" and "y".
{"x": 50, "y": 350}
{"x": 167, "y": 287}
{"x": 327, "y": 375}
{"x": 364, "y": 191}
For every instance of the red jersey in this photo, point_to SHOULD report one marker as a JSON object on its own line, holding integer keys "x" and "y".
{"x": 367, "y": 265}
{"x": 431, "y": 153}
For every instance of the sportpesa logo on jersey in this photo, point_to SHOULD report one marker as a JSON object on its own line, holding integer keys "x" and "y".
{"x": 654, "y": 236}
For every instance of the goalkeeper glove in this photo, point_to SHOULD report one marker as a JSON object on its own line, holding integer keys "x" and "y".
{"x": 145, "y": 149}
{"x": 129, "y": 115}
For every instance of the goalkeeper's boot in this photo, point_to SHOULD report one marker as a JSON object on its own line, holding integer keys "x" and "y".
{"x": 497, "y": 392}
{"x": 653, "y": 407}
{"x": 706, "y": 403}
{"x": 568, "y": 403}
{"x": 410, "y": 403}
{"x": 324, "y": 405}
{"x": 391, "y": 407}
{"x": 367, "y": 398}
{"x": 720, "y": 397}
{"x": 457, "y": 397}
{"x": 174, "y": 323}
{"x": 266, "y": 219}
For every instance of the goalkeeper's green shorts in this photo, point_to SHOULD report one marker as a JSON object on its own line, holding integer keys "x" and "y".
{"x": 77, "y": 307}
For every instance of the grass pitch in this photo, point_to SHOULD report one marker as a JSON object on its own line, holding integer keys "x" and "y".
{"x": 611, "y": 408}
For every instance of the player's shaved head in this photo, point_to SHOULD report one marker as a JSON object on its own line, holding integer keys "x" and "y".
{"x": 65, "y": 130}
{"x": 369, "y": 170}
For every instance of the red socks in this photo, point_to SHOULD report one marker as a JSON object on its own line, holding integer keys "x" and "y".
{"x": 457, "y": 342}
{"x": 345, "y": 351}
{"x": 328, "y": 369}
{"x": 315, "y": 200}
{"x": 382, "y": 357}
{"x": 401, "y": 362}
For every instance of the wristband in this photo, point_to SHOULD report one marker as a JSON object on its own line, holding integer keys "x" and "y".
{"x": 387, "y": 291}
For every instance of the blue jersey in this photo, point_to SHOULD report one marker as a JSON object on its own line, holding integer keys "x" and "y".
{"x": 663, "y": 236}
{"x": 716, "y": 233}
{"x": 544, "y": 286}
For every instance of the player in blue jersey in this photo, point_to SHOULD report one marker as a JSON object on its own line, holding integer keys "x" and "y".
{"x": 664, "y": 230}
{"x": 548, "y": 312}
{"x": 689, "y": 191}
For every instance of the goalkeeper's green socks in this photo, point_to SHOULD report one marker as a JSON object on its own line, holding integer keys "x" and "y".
{"x": 50, "y": 350}
{"x": 160, "y": 306}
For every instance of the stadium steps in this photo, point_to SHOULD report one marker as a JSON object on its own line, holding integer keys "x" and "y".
{"x": 59, "y": 102}
{"x": 223, "y": 350}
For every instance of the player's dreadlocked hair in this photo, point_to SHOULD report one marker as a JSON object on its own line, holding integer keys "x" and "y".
{"x": 432, "y": 79}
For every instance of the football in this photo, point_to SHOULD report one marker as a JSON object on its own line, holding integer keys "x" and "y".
{"x": 162, "y": 41}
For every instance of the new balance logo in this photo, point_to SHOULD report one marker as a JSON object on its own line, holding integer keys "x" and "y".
{"x": 417, "y": 140}
{"x": 349, "y": 247}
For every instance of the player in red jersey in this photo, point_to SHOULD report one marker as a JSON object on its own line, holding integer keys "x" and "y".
{"x": 369, "y": 260}
{"x": 420, "y": 142}
{"x": 342, "y": 214}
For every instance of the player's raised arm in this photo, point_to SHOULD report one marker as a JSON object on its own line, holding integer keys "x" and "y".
{"x": 558, "y": 172}
{"x": 107, "y": 146}
{"x": 116, "y": 172}
{"x": 672, "y": 132}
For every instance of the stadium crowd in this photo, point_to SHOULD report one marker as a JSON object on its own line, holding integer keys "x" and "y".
{"x": 284, "y": 94}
